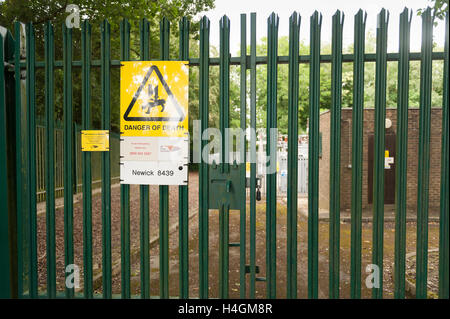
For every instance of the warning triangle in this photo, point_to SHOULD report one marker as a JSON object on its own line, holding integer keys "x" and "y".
{"x": 155, "y": 102}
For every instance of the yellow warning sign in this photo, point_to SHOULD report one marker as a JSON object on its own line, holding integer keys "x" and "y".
{"x": 95, "y": 141}
{"x": 154, "y": 98}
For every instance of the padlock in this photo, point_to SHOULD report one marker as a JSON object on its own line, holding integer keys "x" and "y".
{"x": 258, "y": 195}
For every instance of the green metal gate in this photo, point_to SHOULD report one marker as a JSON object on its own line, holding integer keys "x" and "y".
{"x": 18, "y": 185}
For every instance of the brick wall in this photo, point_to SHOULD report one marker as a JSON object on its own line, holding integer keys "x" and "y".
{"x": 368, "y": 129}
{"x": 324, "y": 161}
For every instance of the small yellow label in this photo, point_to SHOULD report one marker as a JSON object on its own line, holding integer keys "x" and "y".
{"x": 95, "y": 141}
{"x": 386, "y": 153}
{"x": 154, "y": 98}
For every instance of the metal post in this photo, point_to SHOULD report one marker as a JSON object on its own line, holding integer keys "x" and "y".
{"x": 292, "y": 190}
{"x": 423, "y": 178}
{"x": 86, "y": 159}
{"x": 106, "y": 171}
{"x": 313, "y": 157}
{"x": 357, "y": 149}
{"x": 335, "y": 154}
{"x": 164, "y": 28}
{"x": 203, "y": 171}
{"x": 271, "y": 194}
{"x": 402, "y": 154}
{"x": 125, "y": 189}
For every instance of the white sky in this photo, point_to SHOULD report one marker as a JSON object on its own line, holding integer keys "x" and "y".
{"x": 284, "y": 8}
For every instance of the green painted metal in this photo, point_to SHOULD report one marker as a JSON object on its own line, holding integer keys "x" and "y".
{"x": 164, "y": 241}
{"x": 292, "y": 191}
{"x": 20, "y": 114}
{"x": 271, "y": 197}
{"x": 8, "y": 216}
{"x": 357, "y": 155}
{"x": 378, "y": 159}
{"x": 225, "y": 187}
{"x": 402, "y": 155}
{"x": 224, "y": 239}
{"x": 106, "y": 172}
{"x": 86, "y": 160}
{"x": 203, "y": 169}
{"x": 5, "y": 265}
{"x": 31, "y": 159}
{"x": 423, "y": 178}
{"x": 125, "y": 189}
{"x": 27, "y": 142}
{"x": 164, "y": 31}
{"x": 242, "y": 159}
{"x": 335, "y": 154}
{"x": 144, "y": 32}
{"x": 261, "y": 60}
{"x": 49, "y": 168}
{"x": 183, "y": 199}
{"x": 68, "y": 153}
{"x": 224, "y": 116}
{"x": 313, "y": 157}
{"x": 252, "y": 156}
{"x": 444, "y": 247}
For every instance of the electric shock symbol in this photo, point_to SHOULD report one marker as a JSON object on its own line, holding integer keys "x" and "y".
{"x": 154, "y": 101}
{"x": 175, "y": 111}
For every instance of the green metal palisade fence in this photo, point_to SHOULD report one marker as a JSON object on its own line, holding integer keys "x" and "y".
{"x": 27, "y": 144}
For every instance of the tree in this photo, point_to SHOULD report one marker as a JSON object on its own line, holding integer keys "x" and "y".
{"x": 40, "y": 11}
{"x": 440, "y": 8}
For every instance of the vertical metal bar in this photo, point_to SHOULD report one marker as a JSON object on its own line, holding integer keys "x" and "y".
{"x": 357, "y": 155}
{"x": 252, "y": 155}
{"x": 402, "y": 154}
{"x": 86, "y": 159}
{"x": 224, "y": 88}
{"x": 125, "y": 189}
{"x": 224, "y": 108}
{"x": 183, "y": 205}
{"x": 224, "y": 219}
{"x": 106, "y": 172}
{"x": 424, "y": 155}
{"x": 68, "y": 155}
{"x": 6, "y": 270}
{"x": 20, "y": 169}
{"x": 144, "y": 27}
{"x": 31, "y": 178}
{"x": 444, "y": 289}
{"x": 378, "y": 160}
{"x": 203, "y": 172}
{"x": 164, "y": 28}
{"x": 50, "y": 159}
{"x": 313, "y": 157}
{"x": 242, "y": 157}
{"x": 335, "y": 154}
{"x": 271, "y": 193}
{"x": 292, "y": 190}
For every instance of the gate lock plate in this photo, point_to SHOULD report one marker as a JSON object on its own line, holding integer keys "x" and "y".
{"x": 225, "y": 186}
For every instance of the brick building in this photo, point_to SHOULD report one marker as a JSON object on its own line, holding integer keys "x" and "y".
{"x": 368, "y": 129}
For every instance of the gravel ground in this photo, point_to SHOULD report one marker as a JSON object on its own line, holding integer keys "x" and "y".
{"x": 389, "y": 245}
{"x": 433, "y": 273}
{"x": 97, "y": 229}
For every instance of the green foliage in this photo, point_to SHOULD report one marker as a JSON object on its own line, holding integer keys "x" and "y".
{"x": 325, "y": 84}
{"x": 440, "y": 8}
{"x": 40, "y": 11}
